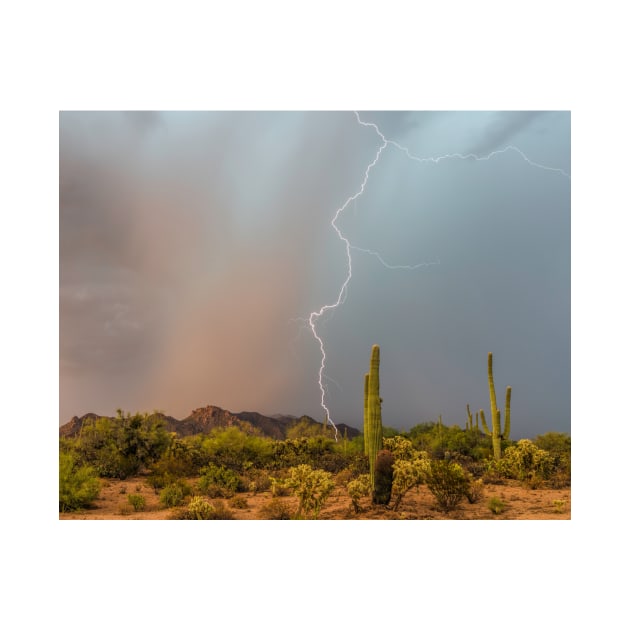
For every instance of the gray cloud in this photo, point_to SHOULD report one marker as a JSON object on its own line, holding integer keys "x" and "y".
{"x": 191, "y": 243}
{"x": 500, "y": 131}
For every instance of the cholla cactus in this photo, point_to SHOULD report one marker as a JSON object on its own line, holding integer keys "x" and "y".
{"x": 495, "y": 414}
{"x": 311, "y": 486}
{"x": 357, "y": 489}
{"x": 525, "y": 459}
{"x": 400, "y": 447}
{"x": 408, "y": 473}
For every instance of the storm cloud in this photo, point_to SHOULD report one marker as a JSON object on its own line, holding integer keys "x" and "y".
{"x": 193, "y": 246}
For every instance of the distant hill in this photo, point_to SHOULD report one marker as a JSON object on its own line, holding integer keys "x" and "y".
{"x": 205, "y": 419}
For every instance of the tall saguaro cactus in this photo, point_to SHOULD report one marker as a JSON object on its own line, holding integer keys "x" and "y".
{"x": 373, "y": 425}
{"x": 366, "y": 413}
{"x": 495, "y": 413}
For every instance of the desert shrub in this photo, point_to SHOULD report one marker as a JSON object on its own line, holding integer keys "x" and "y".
{"x": 408, "y": 473}
{"x": 495, "y": 505}
{"x": 318, "y": 452}
{"x": 558, "y": 445}
{"x": 305, "y": 428}
{"x": 237, "y": 450}
{"x": 554, "y": 443}
{"x": 437, "y": 440}
{"x": 159, "y": 480}
{"x": 137, "y": 502}
{"x": 448, "y": 482}
{"x": 240, "y": 503}
{"x": 357, "y": 489}
{"x": 383, "y": 477}
{"x": 78, "y": 485}
{"x": 221, "y": 512}
{"x": 276, "y": 510}
{"x": 218, "y": 481}
{"x": 312, "y": 487}
{"x": 474, "y": 491}
{"x": 359, "y": 464}
{"x": 494, "y": 473}
{"x": 122, "y": 446}
{"x": 255, "y": 480}
{"x": 175, "y": 493}
{"x": 178, "y": 461}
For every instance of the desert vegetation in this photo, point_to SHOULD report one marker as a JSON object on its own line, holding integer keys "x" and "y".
{"x": 132, "y": 467}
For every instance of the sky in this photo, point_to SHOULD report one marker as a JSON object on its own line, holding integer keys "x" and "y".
{"x": 195, "y": 245}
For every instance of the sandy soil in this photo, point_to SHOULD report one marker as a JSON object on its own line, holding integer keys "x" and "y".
{"x": 520, "y": 504}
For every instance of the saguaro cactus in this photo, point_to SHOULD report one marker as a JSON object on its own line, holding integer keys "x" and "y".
{"x": 495, "y": 413}
{"x": 373, "y": 433}
{"x": 469, "y": 423}
{"x": 366, "y": 413}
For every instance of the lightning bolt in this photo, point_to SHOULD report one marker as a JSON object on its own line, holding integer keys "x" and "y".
{"x": 315, "y": 316}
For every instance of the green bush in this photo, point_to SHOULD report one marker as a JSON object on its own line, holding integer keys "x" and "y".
{"x": 218, "y": 481}
{"x": 237, "y": 450}
{"x": 123, "y": 446}
{"x": 137, "y": 502}
{"x": 448, "y": 482}
{"x": 312, "y": 487}
{"x": 79, "y": 485}
{"x": 175, "y": 493}
{"x": 178, "y": 461}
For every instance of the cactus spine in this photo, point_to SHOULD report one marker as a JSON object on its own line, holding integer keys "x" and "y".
{"x": 495, "y": 413}
{"x": 373, "y": 427}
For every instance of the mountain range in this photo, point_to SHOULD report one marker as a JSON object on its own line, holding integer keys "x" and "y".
{"x": 205, "y": 419}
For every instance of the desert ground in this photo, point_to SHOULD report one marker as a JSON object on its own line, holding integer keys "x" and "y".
{"x": 521, "y": 503}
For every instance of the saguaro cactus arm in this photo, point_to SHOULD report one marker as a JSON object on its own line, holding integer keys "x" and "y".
{"x": 508, "y": 399}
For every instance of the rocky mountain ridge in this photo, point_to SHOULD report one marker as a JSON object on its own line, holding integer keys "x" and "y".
{"x": 204, "y": 419}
